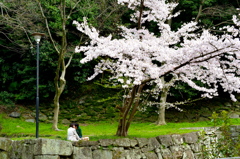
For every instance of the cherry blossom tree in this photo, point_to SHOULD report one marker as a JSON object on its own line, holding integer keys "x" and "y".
{"x": 141, "y": 59}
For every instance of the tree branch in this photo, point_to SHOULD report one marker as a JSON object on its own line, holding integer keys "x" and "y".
{"x": 47, "y": 26}
{"x": 71, "y": 11}
{"x": 199, "y": 10}
{"x": 140, "y": 14}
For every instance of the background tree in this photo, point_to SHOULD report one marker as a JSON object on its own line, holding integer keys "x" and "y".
{"x": 140, "y": 58}
{"x": 19, "y": 20}
{"x": 63, "y": 48}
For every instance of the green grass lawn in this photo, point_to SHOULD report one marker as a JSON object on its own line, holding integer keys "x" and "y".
{"x": 18, "y": 129}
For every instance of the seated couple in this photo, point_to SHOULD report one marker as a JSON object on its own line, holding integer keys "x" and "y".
{"x": 75, "y": 133}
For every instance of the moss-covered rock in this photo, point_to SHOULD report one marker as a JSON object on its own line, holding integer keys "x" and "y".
{"x": 5, "y": 144}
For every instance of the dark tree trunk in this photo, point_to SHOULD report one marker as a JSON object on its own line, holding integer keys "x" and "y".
{"x": 128, "y": 110}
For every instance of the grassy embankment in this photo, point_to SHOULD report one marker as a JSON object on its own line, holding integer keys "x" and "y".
{"x": 18, "y": 129}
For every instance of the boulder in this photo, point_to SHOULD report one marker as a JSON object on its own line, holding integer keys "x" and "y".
{"x": 188, "y": 155}
{"x": 233, "y": 115}
{"x": 165, "y": 140}
{"x": 42, "y": 117}
{"x": 153, "y": 144}
{"x": 102, "y": 154}
{"x": 47, "y": 157}
{"x": 122, "y": 142}
{"x": 177, "y": 151}
{"x": 177, "y": 139}
{"x": 106, "y": 142}
{"x": 66, "y": 121}
{"x": 30, "y": 120}
{"x": 190, "y": 138}
{"x": 133, "y": 142}
{"x": 142, "y": 142}
{"x": 19, "y": 150}
{"x": 15, "y": 114}
{"x": 53, "y": 147}
{"x": 151, "y": 155}
{"x": 82, "y": 152}
{"x": 196, "y": 147}
{"x": 166, "y": 153}
{"x": 5, "y": 144}
{"x": 83, "y": 143}
{"x": 128, "y": 154}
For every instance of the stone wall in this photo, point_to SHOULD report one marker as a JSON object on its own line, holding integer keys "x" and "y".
{"x": 175, "y": 146}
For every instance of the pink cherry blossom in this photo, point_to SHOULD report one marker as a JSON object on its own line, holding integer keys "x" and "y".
{"x": 141, "y": 56}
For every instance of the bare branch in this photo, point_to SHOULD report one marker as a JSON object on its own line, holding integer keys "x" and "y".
{"x": 140, "y": 14}
{"x": 70, "y": 59}
{"x": 71, "y": 11}
{"x": 200, "y": 10}
{"x": 47, "y": 26}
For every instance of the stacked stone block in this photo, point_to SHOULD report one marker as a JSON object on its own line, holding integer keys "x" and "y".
{"x": 175, "y": 146}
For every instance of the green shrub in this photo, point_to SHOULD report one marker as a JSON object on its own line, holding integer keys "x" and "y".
{"x": 225, "y": 146}
{"x": 7, "y": 99}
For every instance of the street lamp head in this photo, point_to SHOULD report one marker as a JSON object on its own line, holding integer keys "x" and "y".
{"x": 37, "y": 36}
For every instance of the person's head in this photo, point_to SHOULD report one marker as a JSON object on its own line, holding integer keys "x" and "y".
{"x": 76, "y": 125}
{"x": 72, "y": 125}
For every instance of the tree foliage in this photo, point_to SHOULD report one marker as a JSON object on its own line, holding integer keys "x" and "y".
{"x": 54, "y": 18}
{"x": 18, "y": 20}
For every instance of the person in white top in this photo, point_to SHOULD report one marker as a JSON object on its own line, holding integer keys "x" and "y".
{"x": 72, "y": 134}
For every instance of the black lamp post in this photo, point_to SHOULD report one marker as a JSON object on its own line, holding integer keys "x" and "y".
{"x": 37, "y": 37}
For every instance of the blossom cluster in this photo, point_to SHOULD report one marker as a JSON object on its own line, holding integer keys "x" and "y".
{"x": 141, "y": 56}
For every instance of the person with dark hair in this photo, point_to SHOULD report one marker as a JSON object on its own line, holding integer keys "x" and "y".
{"x": 78, "y": 130}
{"x": 72, "y": 134}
